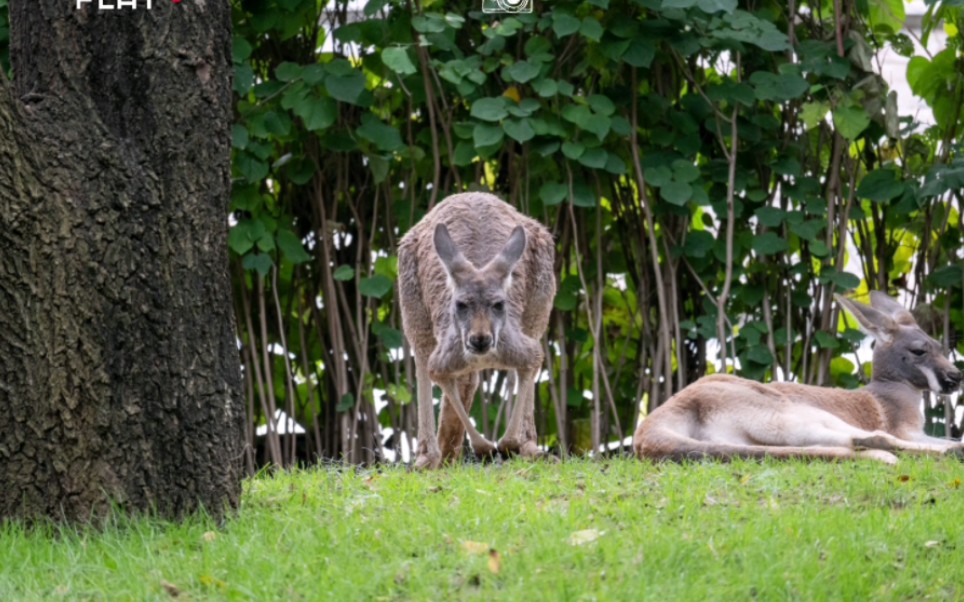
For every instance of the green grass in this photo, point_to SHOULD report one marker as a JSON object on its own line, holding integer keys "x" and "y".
{"x": 613, "y": 530}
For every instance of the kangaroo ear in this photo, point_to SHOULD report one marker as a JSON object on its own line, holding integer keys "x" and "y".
{"x": 872, "y": 321}
{"x": 455, "y": 264}
{"x": 890, "y": 306}
{"x": 503, "y": 263}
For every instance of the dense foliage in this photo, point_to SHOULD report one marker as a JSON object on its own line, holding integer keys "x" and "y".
{"x": 713, "y": 171}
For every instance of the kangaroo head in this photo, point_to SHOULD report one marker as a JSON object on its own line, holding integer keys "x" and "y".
{"x": 903, "y": 352}
{"x": 480, "y": 296}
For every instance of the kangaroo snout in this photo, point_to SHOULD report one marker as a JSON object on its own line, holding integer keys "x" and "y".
{"x": 951, "y": 380}
{"x": 479, "y": 343}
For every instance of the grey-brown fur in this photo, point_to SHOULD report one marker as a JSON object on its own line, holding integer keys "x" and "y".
{"x": 723, "y": 416}
{"x": 480, "y": 227}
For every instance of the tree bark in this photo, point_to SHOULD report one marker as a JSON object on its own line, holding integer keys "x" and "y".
{"x": 119, "y": 370}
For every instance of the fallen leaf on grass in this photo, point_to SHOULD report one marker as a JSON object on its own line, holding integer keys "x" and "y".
{"x": 209, "y": 536}
{"x": 903, "y": 478}
{"x": 171, "y": 589}
{"x": 955, "y": 484}
{"x": 495, "y": 562}
{"x": 209, "y": 581}
{"x": 932, "y": 544}
{"x": 581, "y": 538}
{"x": 475, "y": 547}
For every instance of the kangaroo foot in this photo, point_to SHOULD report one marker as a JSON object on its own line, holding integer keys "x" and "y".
{"x": 879, "y": 455}
{"x": 526, "y": 449}
{"x": 484, "y": 449}
{"x": 428, "y": 460}
{"x": 955, "y": 451}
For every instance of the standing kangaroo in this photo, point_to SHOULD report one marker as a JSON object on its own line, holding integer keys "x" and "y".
{"x": 723, "y": 416}
{"x": 476, "y": 284}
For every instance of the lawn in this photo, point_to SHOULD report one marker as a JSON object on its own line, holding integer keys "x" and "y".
{"x": 580, "y": 530}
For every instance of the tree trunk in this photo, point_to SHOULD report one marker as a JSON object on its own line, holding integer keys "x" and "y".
{"x": 119, "y": 369}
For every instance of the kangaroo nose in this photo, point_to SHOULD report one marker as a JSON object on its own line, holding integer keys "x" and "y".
{"x": 480, "y": 343}
{"x": 954, "y": 378}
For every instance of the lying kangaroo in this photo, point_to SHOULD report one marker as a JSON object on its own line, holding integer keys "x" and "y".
{"x": 476, "y": 284}
{"x": 723, "y": 416}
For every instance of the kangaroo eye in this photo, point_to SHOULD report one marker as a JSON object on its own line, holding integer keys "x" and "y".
{"x": 918, "y": 352}
{"x": 461, "y": 306}
{"x": 498, "y": 306}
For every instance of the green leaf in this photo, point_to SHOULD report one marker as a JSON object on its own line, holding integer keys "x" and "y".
{"x": 842, "y": 280}
{"x": 389, "y": 336}
{"x": 288, "y": 72}
{"x": 379, "y": 166}
{"x": 251, "y": 167}
{"x": 594, "y": 158}
{"x": 545, "y": 87}
{"x": 397, "y": 60}
{"x": 778, "y": 87}
{"x": 809, "y": 230}
{"x": 601, "y": 104}
{"x": 581, "y": 116}
{"x": 685, "y": 171}
{"x": 640, "y": 53}
{"x": 240, "y": 47}
{"x": 825, "y": 340}
{"x": 239, "y": 136}
{"x": 747, "y": 28}
{"x": 573, "y": 150}
{"x": 243, "y": 79}
{"x": 889, "y": 13}
{"x": 346, "y": 403}
{"x": 428, "y": 23}
{"x": 382, "y": 135}
{"x": 813, "y": 113}
{"x": 316, "y": 113}
{"x": 591, "y": 29}
{"x": 659, "y": 175}
{"x": 238, "y": 239}
{"x": 489, "y": 109}
{"x": 564, "y": 24}
{"x": 583, "y": 195}
{"x": 346, "y": 88}
{"x": 400, "y": 393}
{"x": 376, "y": 286}
{"x": 519, "y": 130}
{"x": 553, "y": 193}
{"x": 344, "y": 273}
{"x": 258, "y": 262}
{"x": 949, "y": 276}
{"x": 716, "y": 6}
{"x": 768, "y": 243}
{"x": 291, "y": 246}
{"x": 850, "y": 121}
{"x": 676, "y": 193}
{"x": 615, "y": 164}
{"x": 759, "y": 354}
{"x": 523, "y": 71}
{"x": 880, "y": 185}
{"x": 486, "y": 134}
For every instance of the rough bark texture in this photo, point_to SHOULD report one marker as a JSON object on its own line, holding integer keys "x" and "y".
{"x": 119, "y": 371}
